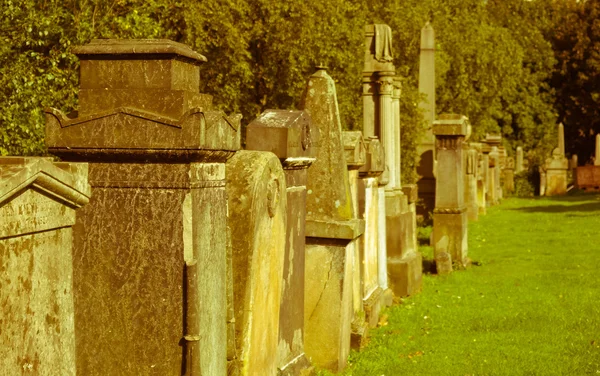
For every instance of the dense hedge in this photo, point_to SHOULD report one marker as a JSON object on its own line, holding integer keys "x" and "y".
{"x": 494, "y": 58}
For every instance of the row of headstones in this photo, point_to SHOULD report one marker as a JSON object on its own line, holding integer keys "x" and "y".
{"x": 587, "y": 177}
{"x": 158, "y": 247}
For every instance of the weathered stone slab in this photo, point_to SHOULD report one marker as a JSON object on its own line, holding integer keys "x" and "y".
{"x": 331, "y": 231}
{"x": 38, "y": 200}
{"x": 154, "y": 236}
{"x": 509, "y": 176}
{"x": 290, "y": 136}
{"x": 450, "y": 214}
{"x": 472, "y": 163}
{"x": 355, "y": 152}
{"x": 257, "y": 199}
{"x": 588, "y": 177}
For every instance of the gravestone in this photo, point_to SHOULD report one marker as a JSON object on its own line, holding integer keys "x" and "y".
{"x": 257, "y": 204}
{"x": 490, "y": 148}
{"x": 153, "y": 238}
{"x": 519, "y": 162}
{"x": 472, "y": 162}
{"x": 556, "y": 174}
{"x": 509, "y": 176}
{"x": 331, "y": 231}
{"x": 294, "y": 141}
{"x": 372, "y": 291}
{"x": 355, "y": 152}
{"x": 404, "y": 267}
{"x": 426, "y": 148}
{"x": 482, "y": 183}
{"x": 38, "y": 200}
{"x": 450, "y": 214}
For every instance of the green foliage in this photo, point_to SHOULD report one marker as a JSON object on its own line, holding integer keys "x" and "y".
{"x": 494, "y": 59}
{"x": 525, "y": 184}
{"x": 575, "y": 36}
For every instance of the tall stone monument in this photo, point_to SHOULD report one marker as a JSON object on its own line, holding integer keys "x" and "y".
{"x": 331, "y": 232}
{"x": 556, "y": 167}
{"x": 403, "y": 260}
{"x": 490, "y": 149}
{"x": 426, "y": 147}
{"x": 450, "y": 214}
{"x": 150, "y": 249}
{"x": 290, "y": 135}
{"x": 471, "y": 173}
{"x": 38, "y": 201}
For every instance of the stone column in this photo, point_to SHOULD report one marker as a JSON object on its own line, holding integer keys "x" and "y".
{"x": 493, "y": 182}
{"x": 597, "y": 154}
{"x": 404, "y": 262}
{"x": 561, "y": 139}
{"x": 519, "y": 164}
{"x": 355, "y": 152}
{"x": 372, "y": 291}
{"x": 38, "y": 202}
{"x": 153, "y": 238}
{"x": 450, "y": 214}
{"x": 331, "y": 232}
{"x": 482, "y": 179}
{"x": 291, "y": 137}
{"x": 471, "y": 183}
{"x": 426, "y": 147}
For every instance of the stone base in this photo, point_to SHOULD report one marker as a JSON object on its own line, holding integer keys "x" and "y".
{"x": 405, "y": 274}
{"x": 328, "y": 302}
{"x": 372, "y": 306}
{"x": 450, "y": 235}
{"x": 556, "y": 182}
{"x": 360, "y": 333}
{"x": 298, "y": 366}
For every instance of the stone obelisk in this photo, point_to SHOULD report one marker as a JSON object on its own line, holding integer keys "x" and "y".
{"x": 426, "y": 147}
{"x": 597, "y": 155}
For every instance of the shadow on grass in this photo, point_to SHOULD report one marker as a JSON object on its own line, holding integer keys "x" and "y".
{"x": 587, "y": 207}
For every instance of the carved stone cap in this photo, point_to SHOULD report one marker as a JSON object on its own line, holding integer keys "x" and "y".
{"x": 66, "y": 182}
{"x": 354, "y": 149}
{"x": 493, "y": 139}
{"x": 137, "y": 48}
{"x": 286, "y": 133}
{"x": 451, "y": 125}
{"x": 375, "y": 158}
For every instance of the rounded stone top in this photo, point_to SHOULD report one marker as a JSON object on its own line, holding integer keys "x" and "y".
{"x": 100, "y": 48}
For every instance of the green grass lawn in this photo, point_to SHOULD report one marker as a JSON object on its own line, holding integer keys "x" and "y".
{"x": 530, "y": 307}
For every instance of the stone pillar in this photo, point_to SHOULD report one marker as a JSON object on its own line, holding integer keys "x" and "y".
{"x": 493, "y": 182}
{"x": 331, "y": 232}
{"x": 372, "y": 291}
{"x": 426, "y": 147}
{"x": 38, "y": 202}
{"x": 291, "y": 137}
{"x": 509, "y": 176}
{"x": 471, "y": 200}
{"x": 561, "y": 139}
{"x": 597, "y": 154}
{"x": 257, "y": 212}
{"x": 355, "y": 152}
{"x": 482, "y": 179}
{"x": 153, "y": 238}
{"x": 450, "y": 214}
{"x": 404, "y": 266}
{"x": 519, "y": 164}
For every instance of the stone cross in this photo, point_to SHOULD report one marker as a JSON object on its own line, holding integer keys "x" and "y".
{"x": 450, "y": 214}
{"x": 38, "y": 202}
